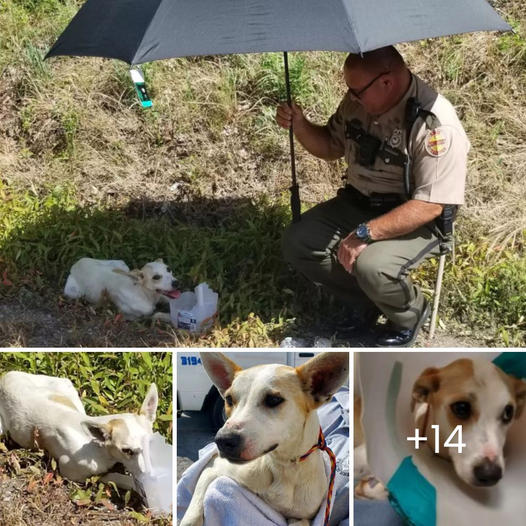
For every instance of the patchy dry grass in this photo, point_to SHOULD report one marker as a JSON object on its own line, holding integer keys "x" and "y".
{"x": 32, "y": 492}
{"x": 186, "y": 179}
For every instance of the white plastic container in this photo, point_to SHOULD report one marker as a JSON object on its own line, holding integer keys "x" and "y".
{"x": 156, "y": 484}
{"x": 195, "y": 311}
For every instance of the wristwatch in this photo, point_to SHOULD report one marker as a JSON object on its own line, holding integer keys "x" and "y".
{"x": 363, "y": 233}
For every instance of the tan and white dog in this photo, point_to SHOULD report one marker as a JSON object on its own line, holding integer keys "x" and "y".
{"x": 45, "y": 412}
{"x": 473, "y": 393}
{"x": 477, "y": 395}
{"x": 272, "y": 421}
{"x": 135, "y": 292}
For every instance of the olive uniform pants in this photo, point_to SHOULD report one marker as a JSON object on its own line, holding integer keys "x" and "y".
{"x": 380, "y": 275}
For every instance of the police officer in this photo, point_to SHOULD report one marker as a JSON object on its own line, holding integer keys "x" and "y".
{"x": 406, "y": 153}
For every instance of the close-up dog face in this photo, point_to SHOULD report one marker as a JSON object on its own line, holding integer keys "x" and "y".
{"x": 267, "y": 406}
{"x": 126, "y": 435}
{"x": 484, "y": 400}
{"x": 156, "y": 276}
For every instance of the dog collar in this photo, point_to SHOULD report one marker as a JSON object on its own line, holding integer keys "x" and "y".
{"x": 322, "y": 445}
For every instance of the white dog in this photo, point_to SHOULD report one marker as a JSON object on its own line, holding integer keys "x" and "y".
{"x": 272, "y": 421}
{"x": 45, "y": 412}
{"x": 135, "y": 293}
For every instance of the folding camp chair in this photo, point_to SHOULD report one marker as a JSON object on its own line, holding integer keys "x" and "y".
{"x": 445, "y": 249}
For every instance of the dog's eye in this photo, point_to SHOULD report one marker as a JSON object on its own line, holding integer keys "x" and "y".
{"x": 168, "y": 270}
{"x": 273, "y": 400}
{"x": 128, "y": 451}
{"x": 156, "y": 277}
{"x": 507, "y": 414}
{"x": 461, "y": 410}
{"x": 229, "y": 401}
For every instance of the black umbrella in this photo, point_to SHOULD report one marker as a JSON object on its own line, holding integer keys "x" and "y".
{"x": 139, "y": 31}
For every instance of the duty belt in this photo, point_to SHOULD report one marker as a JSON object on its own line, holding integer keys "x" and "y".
{"x": 375, "y": 201}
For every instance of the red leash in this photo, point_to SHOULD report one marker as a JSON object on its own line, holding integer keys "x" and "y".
{"x": 322, "y": 445}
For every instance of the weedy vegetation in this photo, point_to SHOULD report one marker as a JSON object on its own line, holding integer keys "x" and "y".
{"x": 201, "y": 180}
{"x": 106, "y": 383}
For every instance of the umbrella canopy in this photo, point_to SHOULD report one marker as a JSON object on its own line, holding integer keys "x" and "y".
{"x": 138, "y": 31}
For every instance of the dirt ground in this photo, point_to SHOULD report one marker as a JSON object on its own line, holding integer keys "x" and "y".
{"x": 32, "y": 494}
{"x": 33, "y": 320}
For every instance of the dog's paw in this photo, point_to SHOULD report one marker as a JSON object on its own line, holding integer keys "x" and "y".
{"x": 162, "y": 316}
{"x": 370, "y": 488}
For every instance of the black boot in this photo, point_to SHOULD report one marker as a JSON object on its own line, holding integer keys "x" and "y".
{"x": 394, "y": 336}
{"x": 356, "y": 322}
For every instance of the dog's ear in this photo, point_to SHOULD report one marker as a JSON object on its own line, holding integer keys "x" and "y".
{"x": 101, "y": 433}
{"x": 520, "y": 396}
{"x": 149, "y": 406}
{"x": 427, "y": 383}
{"x": 220, "y": 369}
{"x": 136, "y": 275}
{"x": 323, "y": 375}
{"x": 159, "y": 261}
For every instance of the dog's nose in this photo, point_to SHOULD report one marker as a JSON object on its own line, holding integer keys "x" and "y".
{"x": 174, "y": 283}
{"x": 487, "y": 473}
{"x": 229, "y": 444}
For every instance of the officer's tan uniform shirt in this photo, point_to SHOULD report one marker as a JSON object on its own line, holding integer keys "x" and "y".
{"x": 439, "y": 155}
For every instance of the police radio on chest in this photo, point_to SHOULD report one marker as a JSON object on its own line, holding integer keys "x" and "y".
{"x": 371, "y": 147}
{"x": 368, "y": 145}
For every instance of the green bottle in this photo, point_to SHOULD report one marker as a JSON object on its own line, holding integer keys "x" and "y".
{"x": 140, "y": 87}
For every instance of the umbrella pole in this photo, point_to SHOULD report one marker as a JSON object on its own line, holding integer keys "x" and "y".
{"x": 295, "y": 204}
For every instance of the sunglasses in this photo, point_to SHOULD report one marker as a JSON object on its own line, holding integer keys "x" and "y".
{"x": 358, "y": 93}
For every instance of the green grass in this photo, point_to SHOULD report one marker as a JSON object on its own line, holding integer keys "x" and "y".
{"x": 239, "y": 256}
{"x": 483, "y": 291}
{"x": 106, "y": 382}
{"x": 80, "y": 160}
{"x": 512, "y": 46}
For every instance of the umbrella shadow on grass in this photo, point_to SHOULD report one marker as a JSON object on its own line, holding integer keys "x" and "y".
{"x": 233, "y": 244}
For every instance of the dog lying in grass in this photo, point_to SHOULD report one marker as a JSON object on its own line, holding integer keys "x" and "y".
{"x": 136, "y": 292}
{"x": 45, "y": 412}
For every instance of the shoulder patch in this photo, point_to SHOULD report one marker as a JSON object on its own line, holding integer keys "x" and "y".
{"x": 437, "y": 142}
